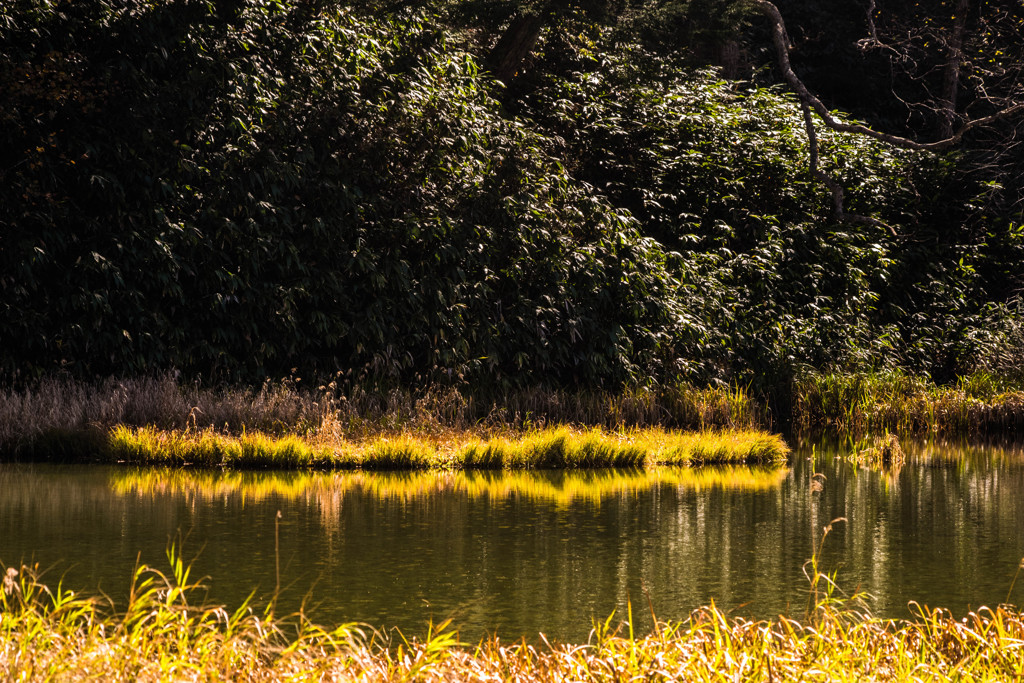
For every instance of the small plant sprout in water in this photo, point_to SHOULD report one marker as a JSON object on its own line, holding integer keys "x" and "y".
{"x": 823, "y": 596}
{"x": 1014, "y": 582}
{"x": 885, "y": 453}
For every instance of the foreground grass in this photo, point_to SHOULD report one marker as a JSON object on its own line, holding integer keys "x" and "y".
{"x": 562, "y": 447}
{"x": 53, "y": 634}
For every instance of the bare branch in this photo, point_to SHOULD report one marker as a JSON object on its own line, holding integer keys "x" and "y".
{"x": 951, "y": 77}
{"x": 816, "y": 172}
{"x": 871, "y": 22}
{"x": 782, "y": 54}
{"x": 835, "y": 186}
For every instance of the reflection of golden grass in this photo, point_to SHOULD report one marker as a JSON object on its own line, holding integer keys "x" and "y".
{"x": 560, "y": 487}
{"x": 560, "y": 447}
{"x": 596, "y": 485}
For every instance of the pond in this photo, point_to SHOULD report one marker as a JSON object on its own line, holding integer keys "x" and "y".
{"x": 530, "y": 552}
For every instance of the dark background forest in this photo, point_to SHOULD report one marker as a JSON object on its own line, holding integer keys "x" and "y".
{"x": 569, "y": 194}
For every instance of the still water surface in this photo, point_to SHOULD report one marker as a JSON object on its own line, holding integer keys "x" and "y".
{"x": 524, "y": 553}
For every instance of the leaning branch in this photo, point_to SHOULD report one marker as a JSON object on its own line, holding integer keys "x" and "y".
{"x": 782, "y": 53}
{"x": 816, "y": 172}
{"x": 834, "y": 185}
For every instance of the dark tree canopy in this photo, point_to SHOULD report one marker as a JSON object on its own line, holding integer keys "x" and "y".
{"x": 240, "y": 188}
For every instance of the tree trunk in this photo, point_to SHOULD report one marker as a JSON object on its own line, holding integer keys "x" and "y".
{"x": 951, "y": 76}
{"x": 514, "y": 46}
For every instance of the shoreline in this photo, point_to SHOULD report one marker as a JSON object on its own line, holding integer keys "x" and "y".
{"x": 160, "y": 420}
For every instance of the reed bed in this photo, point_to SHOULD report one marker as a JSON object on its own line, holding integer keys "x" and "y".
{"x": 562, "y": 448}
{"x": 978, "y": 404}
{"x": 162, "y": 635}
{"x": 58, "y": 414}
{"x": 59, "y": 418}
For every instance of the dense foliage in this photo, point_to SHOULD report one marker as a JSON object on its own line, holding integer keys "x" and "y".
{"x": 236, "y": 189}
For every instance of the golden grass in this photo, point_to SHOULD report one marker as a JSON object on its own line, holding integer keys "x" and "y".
{"x": 161, "y": 635}
{"x": 561, "y": 447}
{"x": 562, "y": 488}
{"x": 150, "y": 446}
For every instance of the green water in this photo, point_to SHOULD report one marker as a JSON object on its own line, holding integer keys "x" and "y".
{"x": 526, "y": 553}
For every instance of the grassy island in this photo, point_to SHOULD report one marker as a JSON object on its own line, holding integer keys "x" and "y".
{"x": 548, "y": 448}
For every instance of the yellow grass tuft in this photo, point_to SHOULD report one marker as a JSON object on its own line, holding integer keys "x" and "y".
{"x": 561, "y": 447}
{"x": 885, "y": 453}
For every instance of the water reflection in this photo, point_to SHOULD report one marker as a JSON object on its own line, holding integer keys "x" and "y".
{"x": 949, "y": 529}
{"x": 562, "y": 487}
{"x": 527, "y": 552}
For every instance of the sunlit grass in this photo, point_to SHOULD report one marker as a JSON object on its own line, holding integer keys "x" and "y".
{"x": 565, "y": 448}
{"x": 262, "y": 451}
{"x": 712, "y": 447}
{"x": 402, "y": 452}
{"x": 151, "y": 446}
{"x": 558, "y": 487}
{"x": 555, "y": 448}
{"x": 547, "y": 448}
{"x": 159, "y": 447}
{"x": 165, "y": 633}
